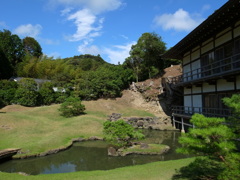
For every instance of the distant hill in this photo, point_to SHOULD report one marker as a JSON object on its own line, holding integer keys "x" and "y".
{"x": 87, "y": 62}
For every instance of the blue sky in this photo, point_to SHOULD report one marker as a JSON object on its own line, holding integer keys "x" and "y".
{"x": 65, "y": 28}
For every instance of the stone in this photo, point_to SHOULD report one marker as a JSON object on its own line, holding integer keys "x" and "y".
{"x": 94, "y": 138}
{"x": 112, "y": 151}
{"x": 144, "y": 146}
{"x": 114, "y": 116}
{"x": 140, "y": 123}
{"x": 23, "y": 173}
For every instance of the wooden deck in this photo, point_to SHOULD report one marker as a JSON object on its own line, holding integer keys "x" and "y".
{"x": 7, "y": 153}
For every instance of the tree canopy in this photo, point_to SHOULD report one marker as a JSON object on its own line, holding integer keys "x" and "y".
{"x": 32, "y": 47}
{"x": 13, "y": 51}
{"x": 145, "y": 56}
{"x": 212, "y": 141}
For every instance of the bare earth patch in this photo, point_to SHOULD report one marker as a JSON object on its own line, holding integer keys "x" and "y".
{"x": 14, "y": 108}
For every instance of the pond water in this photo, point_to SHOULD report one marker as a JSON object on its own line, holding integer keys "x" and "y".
{"x": 92, "y": 155}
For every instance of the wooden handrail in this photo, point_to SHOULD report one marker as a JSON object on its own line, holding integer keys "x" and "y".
{"x": 209, "y": 112}
{"x": 227, "y": 65}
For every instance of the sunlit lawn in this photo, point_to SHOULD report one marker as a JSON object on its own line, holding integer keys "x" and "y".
{"x": 163, "y": 170}
{"x": 40, "y": 129}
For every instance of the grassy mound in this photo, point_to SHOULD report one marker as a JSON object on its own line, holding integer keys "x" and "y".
{"x": 40, "y": 129}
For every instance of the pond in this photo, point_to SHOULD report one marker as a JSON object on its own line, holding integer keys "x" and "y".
{"x": 92, "y": 155}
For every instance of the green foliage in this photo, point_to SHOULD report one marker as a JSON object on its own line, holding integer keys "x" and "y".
{"x": 11, "y": 53}
{"x": 211, "y": 137}
{"x": 106, "y": 82}
{"x": 32, "y": 47}
{"x": 169, "y": 62}
{"x": 91, "y": 76}
{"x": 72, "y": 107}
{"x": 6, "y": 69}
{"x": 1, "y": 103}
{"x": 26, "y": 93}
{"x": 201, "y": 168}
{"x": 47, "y": 93}
{"x": 145, "y": 55}
{"x": 7, "y": 91}
{"x": 232, "y": 167}
{"x": 214, "y": 140}
{"x": 60, "y": 97}
{"x": 234, "y": 121}
{"x": 120, "y": 133}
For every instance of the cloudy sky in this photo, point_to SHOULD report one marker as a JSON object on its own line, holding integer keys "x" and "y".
{"x": 65, "y": 28}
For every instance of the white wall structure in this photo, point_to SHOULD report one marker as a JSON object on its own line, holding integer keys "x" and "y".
{"x": 210, "y": 57}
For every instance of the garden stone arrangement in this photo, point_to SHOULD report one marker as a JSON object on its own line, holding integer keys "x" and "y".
{"x": 156, "y": 123}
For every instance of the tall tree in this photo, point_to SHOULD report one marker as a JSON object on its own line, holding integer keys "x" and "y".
{"x": 6, "y": 69}
{"x": 32, "y": 47}
{"x": 12, "y": 47}
{"x": 147, "y": 54}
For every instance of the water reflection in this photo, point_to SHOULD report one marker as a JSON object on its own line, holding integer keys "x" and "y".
{"x": 92, "y": 155}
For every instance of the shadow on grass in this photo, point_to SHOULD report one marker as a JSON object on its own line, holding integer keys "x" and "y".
{"x": 201, "y": 168}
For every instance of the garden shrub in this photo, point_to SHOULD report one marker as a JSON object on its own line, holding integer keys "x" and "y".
{"x": 120, "y": 133}
{"x": 72, "y": 107}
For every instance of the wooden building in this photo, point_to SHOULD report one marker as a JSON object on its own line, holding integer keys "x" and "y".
{"x": 210, "y": 57}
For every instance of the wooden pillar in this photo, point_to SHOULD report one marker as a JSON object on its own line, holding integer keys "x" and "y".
{"x": 182, "y": 130}
{"x": 174, "y": 126}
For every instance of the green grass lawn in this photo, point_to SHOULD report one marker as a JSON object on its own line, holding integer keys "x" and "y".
{"x": 163, "y": 170}
{"x": 40, "y": 129}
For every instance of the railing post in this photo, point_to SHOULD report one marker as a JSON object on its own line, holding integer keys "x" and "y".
{"x": 174, "y": 126}
{"x": 182, "y": 130}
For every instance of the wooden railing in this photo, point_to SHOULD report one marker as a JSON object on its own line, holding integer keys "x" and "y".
{"x": 223, "y": 67}
{"x": 209, "y": 112}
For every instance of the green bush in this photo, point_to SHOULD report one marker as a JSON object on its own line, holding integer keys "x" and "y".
{"x": 26, "y": 93}
{"x": 213, "y": 140}
{"x": 7, "y": 91}
{"x": 72, "y": 107}
{"x": 1, "y": 103}
{"x": 120, "y": 133}
{"x": 47, "y": 93}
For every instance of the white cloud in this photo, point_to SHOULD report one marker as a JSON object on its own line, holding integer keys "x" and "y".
{"x": 88, "y": 26}
{"x": 123, "y": 36}
{"x": 66, "y": 11}
{"x": 28, "y": 30}
{"x": 118, "y": 53}
{"x": 180, "y": 21}
{"x": 94, "y": 50}
{"x": 55, "y": 55}
{"x": 96, "y": 6}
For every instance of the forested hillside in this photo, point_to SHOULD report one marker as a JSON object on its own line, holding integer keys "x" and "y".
{"x": 85, "y": 76}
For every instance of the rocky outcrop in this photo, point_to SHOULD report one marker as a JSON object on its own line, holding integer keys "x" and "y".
{"x": 161, "y": 91}
{"x": 156, "y": 123}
